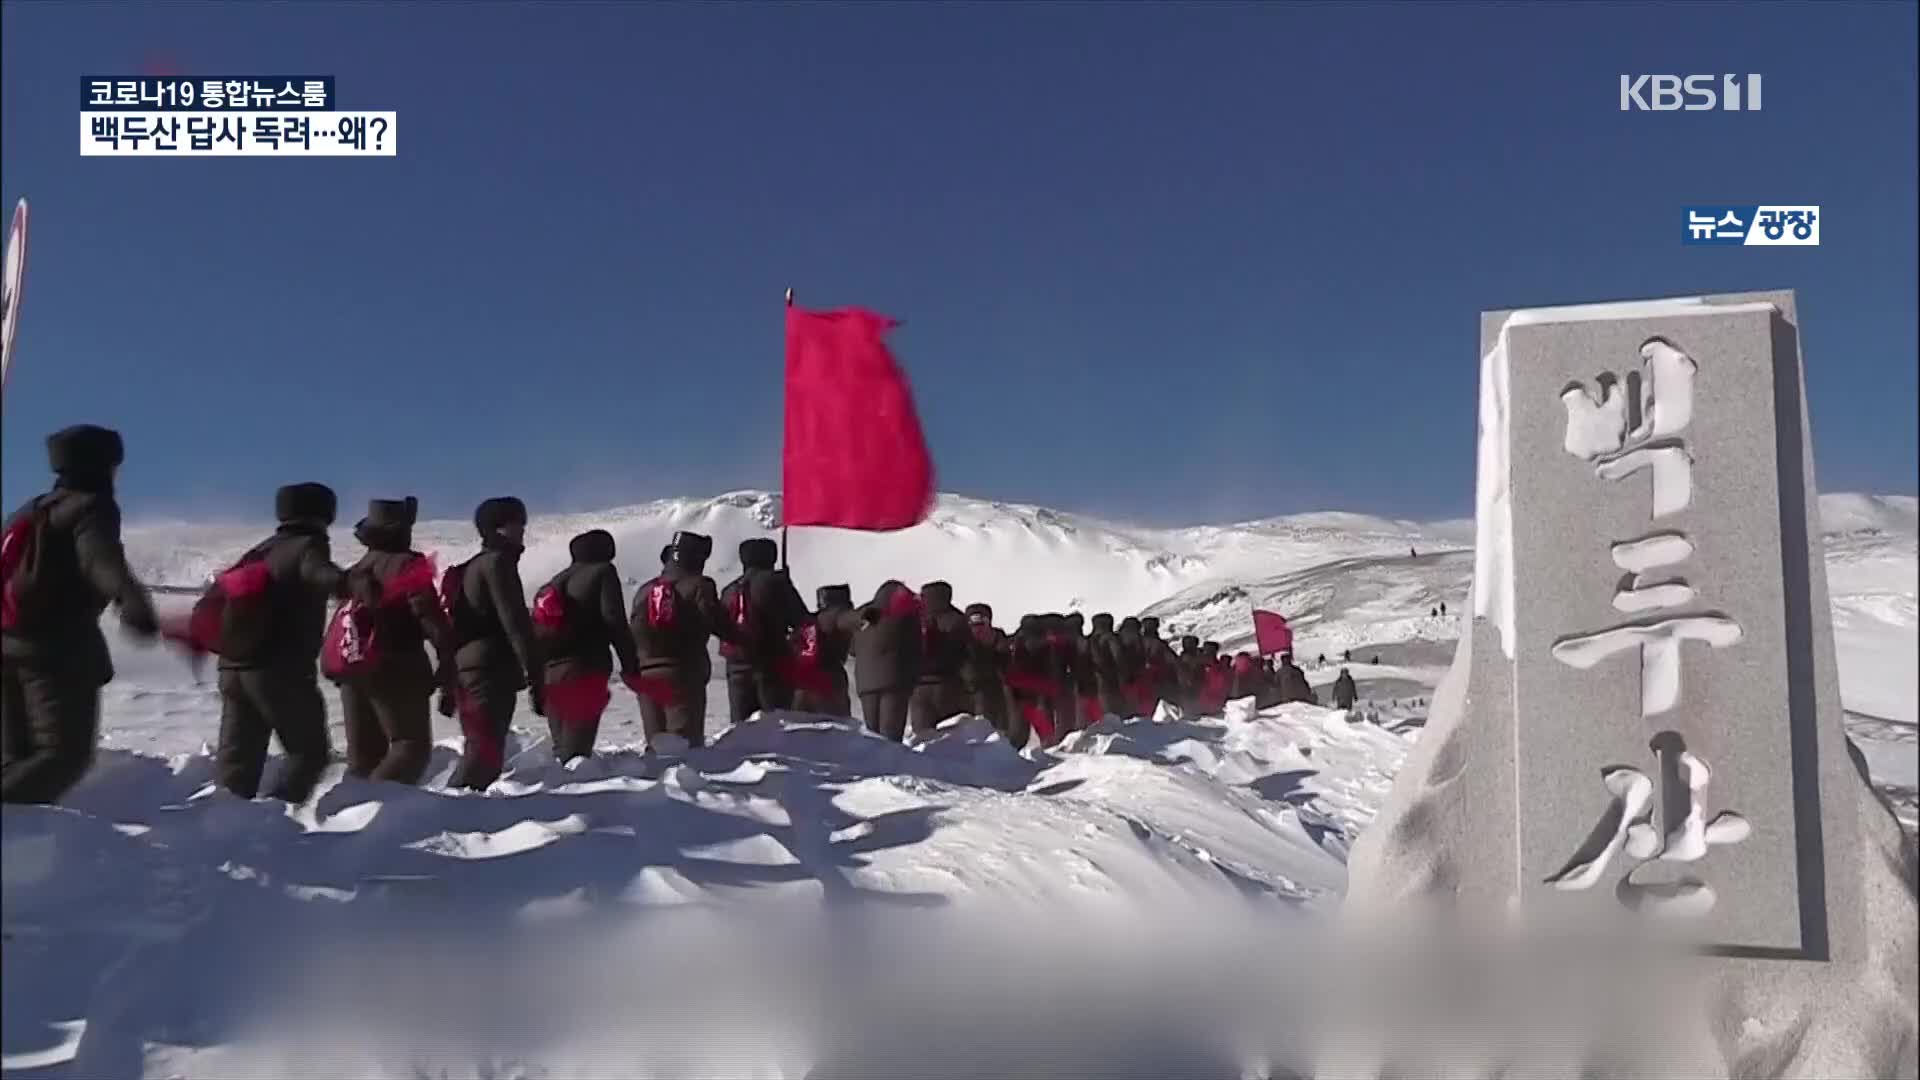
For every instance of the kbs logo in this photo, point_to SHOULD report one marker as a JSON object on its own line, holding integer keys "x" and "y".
{"x": 1693, "y": 93}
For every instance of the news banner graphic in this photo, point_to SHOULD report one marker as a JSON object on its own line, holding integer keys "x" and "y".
{"x": 258, "y": 116}
{"x": 1753, "y": 226}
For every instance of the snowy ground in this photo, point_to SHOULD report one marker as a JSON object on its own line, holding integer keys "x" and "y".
{"x": 1107, "y": 908}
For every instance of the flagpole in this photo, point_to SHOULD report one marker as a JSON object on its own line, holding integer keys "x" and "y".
{"x": 783, "y": 494}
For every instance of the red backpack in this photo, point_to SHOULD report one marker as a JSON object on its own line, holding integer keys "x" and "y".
{"x": 740, "y": 618}
{"x": 658, "y": 614}
{"x": 352, "y": 644}
{"x": 234, "y": 616}
{"x": 806, "y": 643}
{"x": 20, "y": 565}
{"x": 551, "y": 611}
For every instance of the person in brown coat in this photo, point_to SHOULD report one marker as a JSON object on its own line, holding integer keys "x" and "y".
{"x": 1293, "y": 682}
{"x": 1345, "y": 693}
{"x": 985, "y": 671}
{"x": 269, "y": 684}
{"x": 388, "y": 706}
{"x": 495, "y": 654}
{"x": 832, "y": 629}
{"x": 580, "y": 617}
{"x": 1103, "y": 655}
{"x": 1162, "y": 671}
{"x": 64, "y": 564}
{"x": 764, "y": 609}
{"x": 1190, "y": 672}
{"x": 941, "y": 690}
{"x": 675, "y": 615}
{"x": 886, "y": 658}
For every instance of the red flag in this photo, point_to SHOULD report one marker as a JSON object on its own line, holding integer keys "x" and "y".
{"x": 1270, "y": 629}
{"x": 855, "y": 457}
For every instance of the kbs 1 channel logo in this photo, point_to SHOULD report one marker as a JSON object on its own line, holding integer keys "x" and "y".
{"x": 255, "y": 116}
{"x": 1753, "y": 226}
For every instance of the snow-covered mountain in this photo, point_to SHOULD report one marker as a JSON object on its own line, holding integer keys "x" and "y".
{"x": 1015, "y": 557}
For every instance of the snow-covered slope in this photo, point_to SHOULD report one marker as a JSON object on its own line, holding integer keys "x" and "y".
{"x": 646, "y": 916}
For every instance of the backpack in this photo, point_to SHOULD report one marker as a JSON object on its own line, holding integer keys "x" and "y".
{"x": 656, "y": 616}
{"x": 450, "y": 593}
{"x": 551, "y": 612}
{"x": 233, "y": 618}
{"x": 352, "y": 644}
{"x": 20, "y": 566}
{"x": 806, "y": 643}
{"x": 740, "y": 618}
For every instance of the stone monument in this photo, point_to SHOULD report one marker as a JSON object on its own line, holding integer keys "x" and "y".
{"x": 1642, "y": 728}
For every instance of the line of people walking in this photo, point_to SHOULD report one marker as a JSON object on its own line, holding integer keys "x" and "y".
{"x": 405, "y": 639}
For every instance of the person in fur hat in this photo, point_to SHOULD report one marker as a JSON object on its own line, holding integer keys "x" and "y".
{"x": 269, "y": 681}
{"x": 63, "y": 564}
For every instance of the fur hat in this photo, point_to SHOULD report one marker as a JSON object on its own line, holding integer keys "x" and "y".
{"x": 498, "y": 514}
{"x": 592, "y": 546}
{"x": 85, "y": 452}
{"x": 938, "y": 594}
{"x": 980, "y": 611}
{"x": 833, "y": 596}
{"x": 691, "y": 549}
{"x": 391, "y": 513}
{"x": 305, "y": 502}
{"x": 758, "y": 553}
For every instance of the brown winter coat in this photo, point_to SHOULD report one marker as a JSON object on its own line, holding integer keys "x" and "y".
{"x": 597, "y": 631}
{"x": 886, "y": 650}
{"x": 82, "y": 569}
{"x": 682, "y": 652}
{"x": 302, "y": 579}
{"x": 403, "y": 630}
{"x": 492, "y": 630}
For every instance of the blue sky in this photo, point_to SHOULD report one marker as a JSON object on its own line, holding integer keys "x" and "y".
{"x": 1167, "y": 263}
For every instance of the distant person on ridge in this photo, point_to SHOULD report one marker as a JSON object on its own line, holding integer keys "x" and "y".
{"x": 831, "y": 633}
{"x": 763, "y": 610}
{"x": 579, "y": 617}
{"x": 1103, "y": 648}
{"x": 495, "y": 652}
{"x": 886, "y": 659}
{"x": 270, "y": 647}
{"x": 61, "y": 564}
{"x": 988, "y": 651}
{"x": 387, "y": 698}
{"x": 1067, "y": 642}
{"x": 1294, "y": 686}
{"x": 1130, "y": 665}
{"x": 1345, "y": 693}
{"x": 941, "y": 690}
{"x": 674, "y": 615}
{"x": 1191, "y": 672}
{"x": 1267, "y": 692}
{"x": 1032, "y": 685}
{"x": 1163, "y": 668}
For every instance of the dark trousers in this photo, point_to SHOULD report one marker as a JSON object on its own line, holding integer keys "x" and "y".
{"x": 933, "y": 703}
{"x": 259, "y": 705}
{"x": 485, "y": 702}
{"x": 837, "y": 702}
{"x": 885, "y": 712}
{"x": 50, "y": 722}
{"x": 989, "y": 702}
{"x": 686, "y": 717}
{"x": 1019, "y": 729}
{"x": 750, "y": 690}
{"x": 389, "y": 729}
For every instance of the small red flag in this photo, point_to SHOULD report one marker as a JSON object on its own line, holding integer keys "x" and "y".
{"x": 1270, "y": 629}
{"x": 855, "y": 457}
